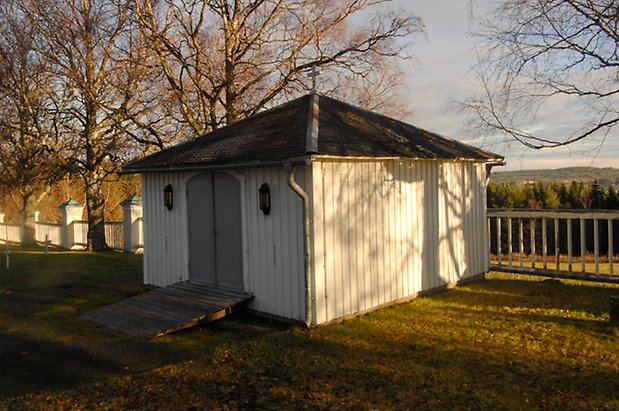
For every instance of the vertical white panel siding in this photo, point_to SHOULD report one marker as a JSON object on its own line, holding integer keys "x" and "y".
{"x": 474, "y": 211}
{"x": 274, "y": 264}
{"x": 364, "y": 249}
{"x": 386, "y": 230}
{"x": 165, "y": 231}
{"x": 381, "y": 231}
{"x": 484, "y": 234}
{"x": 428, "y": 210}
{"x": 451, "y": 228}
{"x": 461, "y": 196}
{"x": 273, "y": 244}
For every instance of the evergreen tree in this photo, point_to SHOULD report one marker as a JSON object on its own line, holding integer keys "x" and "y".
{"x": 612, "y": 199}
{"x": 550, "y": 199}
{"x": 574, "y": 198}
{"x": 528, "y": 193}
{"x": 563, "y": 195}
{"x": 597, "y": 200}
{"x": 490, "y": 194}
{"x": 538, "y": 191}
{"x": 585, "y": 191}
{"x": 503, "y": 195}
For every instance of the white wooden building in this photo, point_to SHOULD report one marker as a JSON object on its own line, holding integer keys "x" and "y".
{"x": 320, "y": 209}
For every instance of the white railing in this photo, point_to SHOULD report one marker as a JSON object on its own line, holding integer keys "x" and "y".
{"x": 10, "y": 233}
{"x": 114, "y": 234}
{"x": 51, "y": 232}
{"x": 554, "y": 241}
{"x": 73, "y": 232}
{"x": 79, "y": 232}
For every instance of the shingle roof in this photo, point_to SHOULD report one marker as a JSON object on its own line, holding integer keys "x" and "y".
{"x": 312, "y": 124}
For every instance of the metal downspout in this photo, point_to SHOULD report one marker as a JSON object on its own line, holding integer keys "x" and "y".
{"x": 306, "y": 241}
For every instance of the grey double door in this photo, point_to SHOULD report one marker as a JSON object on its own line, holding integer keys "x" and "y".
{"x": 215, "y": 230}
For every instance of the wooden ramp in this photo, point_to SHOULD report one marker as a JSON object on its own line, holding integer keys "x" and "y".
{"x": 168, "y": 309}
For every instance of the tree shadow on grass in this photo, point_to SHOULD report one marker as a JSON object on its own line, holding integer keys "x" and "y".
{"x": 327, "y": 369}
{"x": 44, "y": 348}
{"x": 42, "y": 364}
{"x": 30, "y": 364}
{"x": 546, "y": 295}
{"x": 376, "y": 370}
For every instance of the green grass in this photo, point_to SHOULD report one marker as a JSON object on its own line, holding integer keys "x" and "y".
{"x": 510, "y": 342}
{"x": 603, "y": 265}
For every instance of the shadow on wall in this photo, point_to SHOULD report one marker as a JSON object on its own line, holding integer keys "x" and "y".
{"x": 392, "y": 229}
{"x": 460, "y": 221}
{"x": 370, "y": 234}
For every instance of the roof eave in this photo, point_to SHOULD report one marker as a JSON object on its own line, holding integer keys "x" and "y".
{"x": 215, "y": 167}
{"x": 496, "y": 161}
{"x": 492, "y": 161}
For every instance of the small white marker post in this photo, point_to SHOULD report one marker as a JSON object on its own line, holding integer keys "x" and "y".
{"x": 7, "y": 252}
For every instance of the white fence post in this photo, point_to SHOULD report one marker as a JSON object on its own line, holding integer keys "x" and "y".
{"x": 36, "y": 226}
{"x": 22, "y": 220}
{"x": 3, "y": 235}
{"x": 71, "y": 211}
{"x": 132, "y": 212}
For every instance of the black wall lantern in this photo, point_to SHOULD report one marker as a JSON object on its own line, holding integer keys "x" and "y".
{"x": 168, "y": 197}
{"x": 265, "y": 198}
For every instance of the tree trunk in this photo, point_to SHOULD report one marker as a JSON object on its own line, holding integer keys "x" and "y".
{"x": 95, "y": 205}
{"x": 28, "y": 223}
{"x": 231, "y": 24}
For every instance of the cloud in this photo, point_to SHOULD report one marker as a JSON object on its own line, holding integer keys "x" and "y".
{"x": 440, "y": 77}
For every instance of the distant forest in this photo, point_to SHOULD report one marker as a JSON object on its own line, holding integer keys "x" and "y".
{"x": 572, "y": 187}
{"x": 606, "y": 176}
{"x": 575, "y": 195}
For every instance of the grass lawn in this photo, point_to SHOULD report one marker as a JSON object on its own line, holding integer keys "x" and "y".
{"x": 603, "y": 265}
{"x": 510, "y": 342}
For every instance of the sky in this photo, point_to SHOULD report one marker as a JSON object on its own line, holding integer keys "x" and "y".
{"x": 440, "y": 75}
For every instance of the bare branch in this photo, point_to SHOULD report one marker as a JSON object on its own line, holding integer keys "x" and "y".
{"x": 227, "y": 59}
{"x": 539, "y": 50}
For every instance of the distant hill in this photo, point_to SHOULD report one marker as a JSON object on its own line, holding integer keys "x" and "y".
{"x": 606, "y": 176}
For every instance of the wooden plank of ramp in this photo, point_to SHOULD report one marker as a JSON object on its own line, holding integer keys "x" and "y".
{"x": 168, "y": 309}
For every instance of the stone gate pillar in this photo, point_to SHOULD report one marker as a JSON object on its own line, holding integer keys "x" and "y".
{"x": 71, "y": 211}
{"x": 132, "y": 213}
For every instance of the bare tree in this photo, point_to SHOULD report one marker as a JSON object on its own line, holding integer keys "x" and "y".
{"x": 25, "y": 119}
{"x": 540, "y": 51}
{"x": 92, "y": 50}
{"x": 223, "y": 60}
{"x": 382, "y": 89}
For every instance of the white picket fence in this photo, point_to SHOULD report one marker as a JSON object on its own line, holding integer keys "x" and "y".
{"x": 114, "y": 235}
{"x": 73, "y": 233}
{"x": 80, "y": 233}
{"x": 50, "y": 232}
{"x": 10, "y": 233}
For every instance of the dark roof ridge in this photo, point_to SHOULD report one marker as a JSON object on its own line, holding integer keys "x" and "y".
{"x": 240, "y": 122}
{"x": 406, "y": 124}
{"x": 374, "y": 113}
{"x": 213, "y": 134}
{"x": 313, "y": 124}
